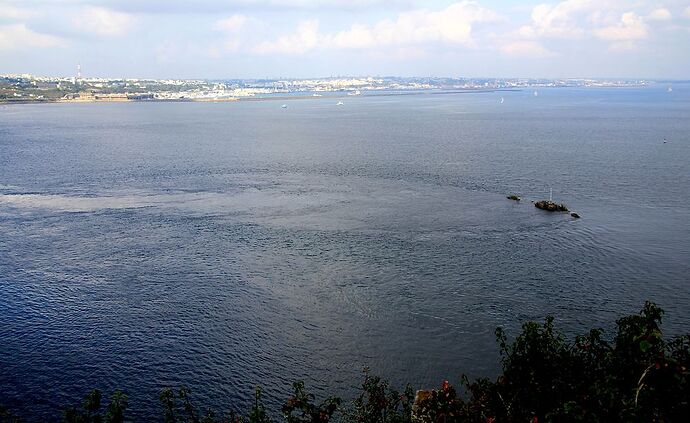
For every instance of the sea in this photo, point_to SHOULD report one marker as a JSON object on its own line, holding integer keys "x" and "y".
{"x": 224, "y": 246}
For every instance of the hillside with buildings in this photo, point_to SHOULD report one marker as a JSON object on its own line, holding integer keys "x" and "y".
{"x": 30, "y": 88}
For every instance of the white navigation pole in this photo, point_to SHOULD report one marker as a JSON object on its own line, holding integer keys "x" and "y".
{"x": 550, "y": 194}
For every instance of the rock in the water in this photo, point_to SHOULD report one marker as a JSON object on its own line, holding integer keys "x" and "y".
{"x": 513, "y": 197}
{"x": 575, "y": 215}
{"x": 550, "y": 206}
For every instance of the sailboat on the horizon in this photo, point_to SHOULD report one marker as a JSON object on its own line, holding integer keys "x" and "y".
{"x": 502, "y": 100}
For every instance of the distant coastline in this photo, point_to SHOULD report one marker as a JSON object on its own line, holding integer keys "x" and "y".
{"x": 255, "y": 98}
{"x": 23, "y": 89}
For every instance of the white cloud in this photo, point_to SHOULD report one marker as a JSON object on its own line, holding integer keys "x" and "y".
{"x": 222, "y": 6}
{"x": 16, "y": 13}
{"x": 348, "y": 4}
{"x": 525, "y": 49}
{"x": 557, "y": 21}
{"x": 358, "y": 36}
{"x": 631, "y": 27}
{"x": 231, "y": 24}
{"x": 576, "y": 19}
{"x": 661, "y": 14}
{"x": 452, "y": 25}
{"x": 18, "y": 36}
{"x": 103, "y": 22}
{"x": 305, "y": 38}
{"x": 566, "y": 20}
{"x": 232, "y": 27}
{"x": 615, "y": 21}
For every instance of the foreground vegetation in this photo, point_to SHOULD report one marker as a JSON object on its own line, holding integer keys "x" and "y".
{"x": 634, "y": 376}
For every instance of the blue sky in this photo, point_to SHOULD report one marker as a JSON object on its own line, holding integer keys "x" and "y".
{"x": 309, "y": 38}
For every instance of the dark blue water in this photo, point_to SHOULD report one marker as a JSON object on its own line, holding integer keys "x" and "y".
{"x": 227, "y": 245}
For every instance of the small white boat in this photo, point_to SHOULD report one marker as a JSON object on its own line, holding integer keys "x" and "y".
{"x": 340, "y": 103}
{"x": 316, "y": 95}
{"x": 502, "y": 100}
{"x": 284, "y": 106}
{"x": 670, "y": 89}
{"x": 536, "y": 93}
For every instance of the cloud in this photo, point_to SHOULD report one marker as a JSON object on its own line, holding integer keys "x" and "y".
{"x": 232, "y": 27}
{"x": 566, "y": 20}
{"x": 631, "y": 27}
{"x": 452, "y": 25}
{"x": 103, "y": 22}
{"x": 661, "y": 14}
{"x": 231, "y": 24}
{"x": 312, "y": 4}
{"x": 577, "y": 19}
{"x": 16, "y": 13}
{"x": 557, "y": 21}
{"x": 617, "y": 22}
{"x": 18, "y": 36}
{"x": 221, "y": 6}
{"x": 305, "y": 38}
{"x": 530, "y": 49}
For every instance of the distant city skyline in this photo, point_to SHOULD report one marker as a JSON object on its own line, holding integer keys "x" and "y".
{"x": 228, "y": 39}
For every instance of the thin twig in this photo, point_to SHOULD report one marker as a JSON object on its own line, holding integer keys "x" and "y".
{"x": 641, "y": 385}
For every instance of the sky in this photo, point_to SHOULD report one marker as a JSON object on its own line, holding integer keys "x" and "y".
{"x": 227, "y": 39}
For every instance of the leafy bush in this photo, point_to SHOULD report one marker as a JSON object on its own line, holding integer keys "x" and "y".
{"x": 185, "y": 412}
{"x": 90, "y": 411}
{"x": 637, "y": 376}
{"x": 7, "y": 417}
{"x": 379, "y": 403}
{"x": 300, "y": 407}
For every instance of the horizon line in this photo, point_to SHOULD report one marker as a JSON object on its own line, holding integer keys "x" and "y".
{"x": 353, "y": 76}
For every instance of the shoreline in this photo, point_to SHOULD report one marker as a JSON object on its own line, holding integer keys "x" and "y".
{"x": 310, "y": 96}
{"x": 261, "y": 98}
